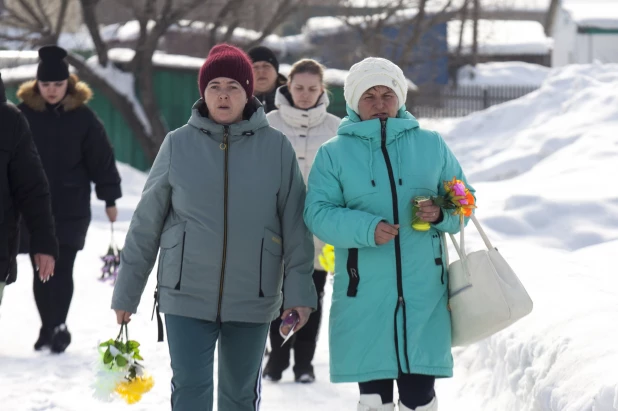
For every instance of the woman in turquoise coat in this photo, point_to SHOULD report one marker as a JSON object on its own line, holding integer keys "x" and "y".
{"x": 389, "y": 318}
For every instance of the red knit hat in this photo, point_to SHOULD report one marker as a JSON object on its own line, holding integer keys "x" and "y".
{"x": 227, "y": 61}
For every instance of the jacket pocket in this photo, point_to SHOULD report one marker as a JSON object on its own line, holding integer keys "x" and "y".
{"x": 172, "y": 246}
{"x": 271, "y": 270}
{"x": 438, "y": 254}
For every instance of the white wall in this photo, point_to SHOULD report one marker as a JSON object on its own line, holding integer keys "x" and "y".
{"x": 571, "y": 47}
{"x": 601, "y": 47}
{"x": 565, "y": 35}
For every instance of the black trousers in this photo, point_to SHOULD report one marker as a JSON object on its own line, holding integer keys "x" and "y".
{"x": 304, "y": 341}
{"x": 53, "y": 298}
{"x": 414, "y": 389}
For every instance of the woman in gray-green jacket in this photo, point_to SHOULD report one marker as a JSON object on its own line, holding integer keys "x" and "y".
{"x": 224, "y": 202}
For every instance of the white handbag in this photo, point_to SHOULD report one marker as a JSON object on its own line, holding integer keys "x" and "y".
{"x": 485, "y": 295}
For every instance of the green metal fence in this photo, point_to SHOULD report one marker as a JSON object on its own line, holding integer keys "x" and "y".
{"x": 176, "y": 91}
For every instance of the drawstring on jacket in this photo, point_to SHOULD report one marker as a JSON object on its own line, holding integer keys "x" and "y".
{"x": 373, "y": 181}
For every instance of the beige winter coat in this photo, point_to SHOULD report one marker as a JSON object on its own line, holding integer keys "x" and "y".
{"x": 307, "y": 130}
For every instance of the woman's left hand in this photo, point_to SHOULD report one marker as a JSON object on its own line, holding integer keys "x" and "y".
{"x": 428, "y": 211}
{"x": 112, "y": 213}
{"x": 303, "y": 313}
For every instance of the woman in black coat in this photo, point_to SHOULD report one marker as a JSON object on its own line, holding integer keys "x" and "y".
{"x": 75, "y": 152}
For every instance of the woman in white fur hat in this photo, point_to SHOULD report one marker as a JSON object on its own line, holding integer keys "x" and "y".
{"x": 389, "y": 319}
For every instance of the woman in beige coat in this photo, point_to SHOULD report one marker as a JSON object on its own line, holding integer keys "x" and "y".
{"x": 301, "y": 115}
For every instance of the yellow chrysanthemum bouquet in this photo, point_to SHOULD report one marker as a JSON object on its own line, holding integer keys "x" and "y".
{"x": 119, "y": 374}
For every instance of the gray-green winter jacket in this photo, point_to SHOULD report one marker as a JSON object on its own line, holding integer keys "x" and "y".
{"x": 225, "y": 206}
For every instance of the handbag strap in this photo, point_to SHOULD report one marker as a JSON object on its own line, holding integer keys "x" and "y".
{"x": 460, "y": 247}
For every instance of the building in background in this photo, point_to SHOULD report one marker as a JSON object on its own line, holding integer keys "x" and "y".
{"x": 586, "y": 31}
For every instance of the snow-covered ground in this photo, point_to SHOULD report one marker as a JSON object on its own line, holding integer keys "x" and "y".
{"x": 542, "y": 167}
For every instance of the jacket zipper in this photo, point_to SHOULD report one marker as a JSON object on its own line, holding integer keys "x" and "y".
{"x": 225, "y": 147}
{"x": 401, "y": 304}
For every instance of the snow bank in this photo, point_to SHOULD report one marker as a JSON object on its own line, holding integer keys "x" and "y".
{"x": 513, "y": 73}
{"x": 543, "y": 167}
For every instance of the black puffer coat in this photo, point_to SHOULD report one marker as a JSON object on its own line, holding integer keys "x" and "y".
{"x": 23, "y": 189}
{"x": 75, "y": 152}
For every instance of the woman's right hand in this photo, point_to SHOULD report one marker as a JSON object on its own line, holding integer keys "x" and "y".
{"x": 386, "y": 232}
{"x": 123, "y": 317}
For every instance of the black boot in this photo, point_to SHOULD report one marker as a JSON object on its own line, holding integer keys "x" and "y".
{"x": 45, "y": 336}
{"x": 279, "y": 357}
{"x": 61, "y": 338}
{"x": 303, "y": 357}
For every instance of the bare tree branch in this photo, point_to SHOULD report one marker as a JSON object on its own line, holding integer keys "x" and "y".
{"x": 31, "y": 12}
{"x": 44, "y": 16}
{"x": 216, "y": 24}
{"x": 20, "y": 21}
{"x": 181, "y": 11}
{"x": 464, "y": 17}
{"x": 230, "y": 31}
{"x": 90, "y": 20}
{"x": 475, "y": 35}
{"x": 64, "y": 6}
{"x": 148, "y": 142}
{"x": 422, "y": 26}
{"x": 286, "y": 7}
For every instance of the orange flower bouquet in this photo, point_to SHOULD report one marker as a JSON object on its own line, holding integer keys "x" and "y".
{"x": 458, "y": 198}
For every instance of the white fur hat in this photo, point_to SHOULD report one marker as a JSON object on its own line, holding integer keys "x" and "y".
{"x": 371, "y": 72}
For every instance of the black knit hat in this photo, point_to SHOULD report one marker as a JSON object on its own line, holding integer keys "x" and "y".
{"x": 261, "y": 53}
{"x": 52, "y": 66}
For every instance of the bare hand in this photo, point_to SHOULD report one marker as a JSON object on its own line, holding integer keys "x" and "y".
{"x": 303, "y": 313}
{"x": 123, "y": 316}
{"x": 112, "y": 213}
{"x": 428, "y": 211}
{"x": 45, "y": 265}
{"x": 386, "y": 232}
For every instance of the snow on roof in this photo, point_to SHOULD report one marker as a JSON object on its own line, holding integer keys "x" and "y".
{"x": 332, "y": 77}
{"x": 129, "y": 31}
{"x": 513, "y": 73}
{"x": 501, "y": 37}
{"x": 489, "y": 5}
{"x": 594, "y": 13}
{"x": 160, "y": 59}
{"x": 14, "y": 58}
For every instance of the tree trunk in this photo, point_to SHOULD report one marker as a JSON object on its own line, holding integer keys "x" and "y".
{"x": 144, "y": 80}
{"x": 119, "y": 102}
{"x": 551, "y": 17}
{"x": 475, "y": 35}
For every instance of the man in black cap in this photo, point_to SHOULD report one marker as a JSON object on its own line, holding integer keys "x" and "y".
{"x": 23, "y": 189}
{"x": 266, "y": 77}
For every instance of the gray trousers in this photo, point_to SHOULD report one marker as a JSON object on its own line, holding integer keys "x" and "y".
{"x": 2, "y": 284}
{"x": 192, "y": 348}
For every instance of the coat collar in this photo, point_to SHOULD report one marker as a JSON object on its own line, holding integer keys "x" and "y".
{"x": 297, "y": 117}
{"x": 255, "y": 119}
{"x": 78, "y": 94}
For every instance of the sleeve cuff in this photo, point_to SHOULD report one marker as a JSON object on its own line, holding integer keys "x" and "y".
{"x": 371, "y": 232}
